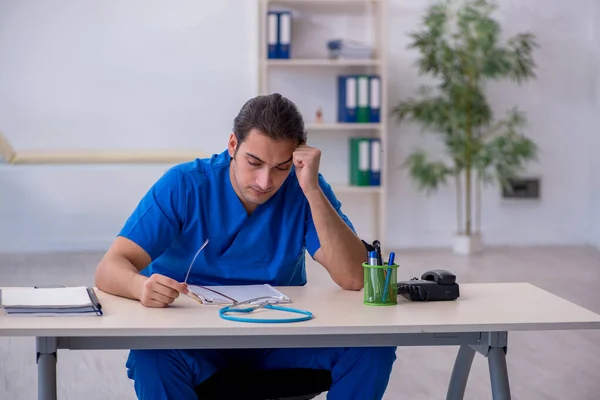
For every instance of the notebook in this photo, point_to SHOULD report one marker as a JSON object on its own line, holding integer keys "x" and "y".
{"x": 238, "y": 294}
{"x": 55, "y": 301}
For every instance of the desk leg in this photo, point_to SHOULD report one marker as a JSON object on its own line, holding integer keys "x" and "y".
{"x": 460, "y": 373}
{"x": 492, "y": 345}
{"x": 46, "y": 361}
{"x": 498, "y": 374}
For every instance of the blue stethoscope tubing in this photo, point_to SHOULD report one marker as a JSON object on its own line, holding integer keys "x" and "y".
{"x": 306, "y": 314}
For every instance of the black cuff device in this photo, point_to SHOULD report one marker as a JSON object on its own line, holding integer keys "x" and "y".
{"x": 434, "y": 285}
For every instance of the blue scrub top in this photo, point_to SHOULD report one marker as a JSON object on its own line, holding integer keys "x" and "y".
{"x": 196, "y": 201}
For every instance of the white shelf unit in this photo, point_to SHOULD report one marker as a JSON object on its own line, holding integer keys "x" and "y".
{"x": 376, "y": 12}
{"x": 308, "y": 62}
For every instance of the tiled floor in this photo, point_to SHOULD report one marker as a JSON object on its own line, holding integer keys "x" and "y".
{"x": 546, "y": 365}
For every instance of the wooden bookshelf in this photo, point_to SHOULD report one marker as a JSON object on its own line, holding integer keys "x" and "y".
{"x": 375, "y": 11}
{"x": 322, "y": 62}
{"x": 314, "y": 127}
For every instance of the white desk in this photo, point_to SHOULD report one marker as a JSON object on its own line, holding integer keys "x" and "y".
{"x": 478, "y": 321}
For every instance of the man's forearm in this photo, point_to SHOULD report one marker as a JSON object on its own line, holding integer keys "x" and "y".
{"x": 118, "y": 276}
{"x": 342, "y": 252}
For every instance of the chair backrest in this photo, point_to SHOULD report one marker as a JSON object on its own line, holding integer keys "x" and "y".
{"x": 286, "y": 384}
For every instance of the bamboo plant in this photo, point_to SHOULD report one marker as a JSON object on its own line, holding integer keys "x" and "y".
{"x": 460, "y": 46}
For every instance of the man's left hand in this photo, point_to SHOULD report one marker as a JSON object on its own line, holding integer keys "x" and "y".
{"x": 306, "y": 161}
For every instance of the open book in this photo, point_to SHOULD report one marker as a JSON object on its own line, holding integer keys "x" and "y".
{"x": 254, "y": 294}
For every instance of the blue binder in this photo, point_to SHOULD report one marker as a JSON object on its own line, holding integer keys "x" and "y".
{"x": 374, "y": 98}
{"x": 375, "y": 162}
{"x": 285, "y": 34}
{"x": 272, "y": 34}
{"x": 347, "y": 98}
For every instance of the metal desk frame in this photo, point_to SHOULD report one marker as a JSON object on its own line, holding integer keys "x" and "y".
{"x": 492, "y": 345}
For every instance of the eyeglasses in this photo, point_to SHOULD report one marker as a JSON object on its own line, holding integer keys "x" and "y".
{"x": 194, "y": 259}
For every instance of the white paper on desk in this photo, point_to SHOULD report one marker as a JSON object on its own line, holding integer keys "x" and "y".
{"x": 45, "y": 297}
{"x": 240, "y": 293}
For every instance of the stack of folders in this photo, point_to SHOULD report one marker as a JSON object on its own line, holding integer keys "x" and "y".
{"x": 54, "y": 301}
{"x": 365, "y": 161}
{"x": 279, "y": 34}
{"x": 348, "y": 49}
{"x": 359, "y": 98}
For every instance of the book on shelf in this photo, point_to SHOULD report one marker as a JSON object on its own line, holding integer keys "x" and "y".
{"x": 359, "y": 98}
{"x": 365, "y": 161}
{"x": 279, "y": 34}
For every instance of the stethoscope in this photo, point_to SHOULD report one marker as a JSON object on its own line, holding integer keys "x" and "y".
{"x": 232, "y": 308}
{"x": 223, "y": 312}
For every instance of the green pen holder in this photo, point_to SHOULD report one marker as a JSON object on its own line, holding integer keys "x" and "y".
{"x": 380, "y": 284}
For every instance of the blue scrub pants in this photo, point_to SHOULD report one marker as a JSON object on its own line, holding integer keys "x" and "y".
{"x": 357, "y": 372}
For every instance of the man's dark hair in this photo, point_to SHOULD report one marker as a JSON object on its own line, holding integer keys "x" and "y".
{"x": 273, "y": 115}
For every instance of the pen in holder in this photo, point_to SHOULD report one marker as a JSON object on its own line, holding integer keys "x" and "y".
{"x": 380, "y": 284}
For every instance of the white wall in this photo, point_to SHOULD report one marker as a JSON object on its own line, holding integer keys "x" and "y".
{"x": 560, "y": 107}
{"x": 147, "y": 74}
{"x": 119, "y": 74}
{"x": 594, "y": 148}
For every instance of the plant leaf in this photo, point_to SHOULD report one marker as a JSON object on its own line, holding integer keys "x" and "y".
{"x": 428, "y": 175}
{"x": 462, "y": 47}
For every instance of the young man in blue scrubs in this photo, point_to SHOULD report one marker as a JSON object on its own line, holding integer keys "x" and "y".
{"x": 261, "y": 203}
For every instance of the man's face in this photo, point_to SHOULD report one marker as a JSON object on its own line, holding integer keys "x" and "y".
{"x": 259, "y": 167}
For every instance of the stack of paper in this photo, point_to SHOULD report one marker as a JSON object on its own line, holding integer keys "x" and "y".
{"x": 254, "y": 294}
{"x": 349, "y": 49}
{"x": 61, "y": 301}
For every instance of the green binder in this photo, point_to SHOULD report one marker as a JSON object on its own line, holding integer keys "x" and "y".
{"x": 359, "y": 161}
{"x": 363, "y": 111}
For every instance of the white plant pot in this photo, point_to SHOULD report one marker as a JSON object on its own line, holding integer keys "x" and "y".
{"x": 464, "y": 244}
